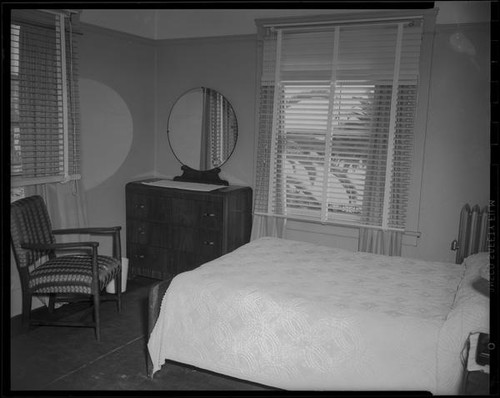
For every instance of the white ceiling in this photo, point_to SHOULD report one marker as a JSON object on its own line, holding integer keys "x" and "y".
{"x": 176, "y": 23}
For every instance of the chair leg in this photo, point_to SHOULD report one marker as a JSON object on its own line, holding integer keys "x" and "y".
{"x": 26, "y": 317}
{"x": 96, "y": 316}
{"x": 118, "y": 289}
{"x": 52, "y": 302}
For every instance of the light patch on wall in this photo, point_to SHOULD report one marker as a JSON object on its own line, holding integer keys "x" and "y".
{"x": 107, "y": 132}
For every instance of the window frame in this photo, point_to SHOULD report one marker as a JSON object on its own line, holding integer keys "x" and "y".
{"x": 420, "y": 122}
{"x": 66, "y": 35}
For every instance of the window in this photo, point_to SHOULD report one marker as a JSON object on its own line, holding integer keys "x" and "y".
{"x": 44, "y": 98}
{"x": 336, "y": 121}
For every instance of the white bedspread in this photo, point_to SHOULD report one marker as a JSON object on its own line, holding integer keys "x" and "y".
{"x": 300, "y": 316}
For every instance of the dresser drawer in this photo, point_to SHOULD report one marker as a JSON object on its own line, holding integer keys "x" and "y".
{"x": 149, "y": 207}
{"x": 149, "y": 233}
{"x": 160, "y": 263}
{"x": 196, "y": 213}
{"x": 153, "y": 262}
{"x": 196, "y": 240}
{"x": 209, "y": 246}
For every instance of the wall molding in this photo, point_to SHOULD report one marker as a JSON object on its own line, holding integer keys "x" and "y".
{"x": 207, "y": 39}
{"x": 463, "y": 26}
{"x": 89, "y": 28}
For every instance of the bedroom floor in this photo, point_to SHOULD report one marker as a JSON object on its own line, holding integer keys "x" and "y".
{"x": 61, "y": 358}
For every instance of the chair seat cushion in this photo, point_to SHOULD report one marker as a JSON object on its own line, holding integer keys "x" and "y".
{"x": 72, "y": 274}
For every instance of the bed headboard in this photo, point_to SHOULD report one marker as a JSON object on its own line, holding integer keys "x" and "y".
{"x": 472, "y": 232}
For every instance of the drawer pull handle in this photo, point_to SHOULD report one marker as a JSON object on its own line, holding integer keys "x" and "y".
{"x": 209, "y": 243}
{"x": 141, "y": 206}
{"x": 140, "y": 255}
{"x": 208, "y": 214}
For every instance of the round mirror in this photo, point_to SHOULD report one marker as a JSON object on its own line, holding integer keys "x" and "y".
{"x": 202, "y": 129}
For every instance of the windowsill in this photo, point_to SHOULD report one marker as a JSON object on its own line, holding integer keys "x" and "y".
{"x": 342, "y": 231}
{"x": 299, "y": 226}
{"x": 18, "y": 182}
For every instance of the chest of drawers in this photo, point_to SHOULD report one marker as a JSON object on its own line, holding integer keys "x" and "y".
{"x": 173, "y": 230}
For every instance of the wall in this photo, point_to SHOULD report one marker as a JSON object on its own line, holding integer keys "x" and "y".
{"x": 457, "y": 152}
{"x": 123, "y": 66}
{"x": 171, "y": 23}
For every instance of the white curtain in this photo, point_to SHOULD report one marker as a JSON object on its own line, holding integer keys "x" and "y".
{"x": 66, "y": 203}
{"x": 378, "y": 241}
{"x": 264, "y": 223}
{"x": 268, "y": 226}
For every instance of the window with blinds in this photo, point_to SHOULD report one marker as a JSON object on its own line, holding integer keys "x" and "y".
{"x": 337, "y": 110}
{"x": 44, "y": 98}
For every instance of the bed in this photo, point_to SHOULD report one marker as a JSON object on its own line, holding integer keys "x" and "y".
{"x": 299, "y": 316}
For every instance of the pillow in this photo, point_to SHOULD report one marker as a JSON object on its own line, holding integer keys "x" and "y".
{"x": 470, "y": 313}
{"x": 477, "y": 263}
{"x": 475, "y": 266}
{"x": 485, "y": 272}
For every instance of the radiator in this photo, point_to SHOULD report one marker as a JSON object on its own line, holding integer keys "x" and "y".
{"x": 472, "y": 232}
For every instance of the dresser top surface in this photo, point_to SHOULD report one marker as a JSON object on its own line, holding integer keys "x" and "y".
{"x": 146, "y": 183}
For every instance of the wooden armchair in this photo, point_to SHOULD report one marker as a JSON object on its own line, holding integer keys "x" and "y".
{"x": 71, "y": 277}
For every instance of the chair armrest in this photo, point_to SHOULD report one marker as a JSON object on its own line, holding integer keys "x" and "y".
{"x": 88, "y": 230}
{"x": 59, "y": 246}
{"x": 79, "y": 246}
{"x": 113, "y": 231}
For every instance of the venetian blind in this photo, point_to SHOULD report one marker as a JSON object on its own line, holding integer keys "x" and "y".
{"x": 44, "y": 98}
{"x": 341, "y": 117}
{"x": 222, "y": 124}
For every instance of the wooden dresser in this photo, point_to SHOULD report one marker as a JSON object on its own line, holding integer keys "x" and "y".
{"x": 174, "y": 230}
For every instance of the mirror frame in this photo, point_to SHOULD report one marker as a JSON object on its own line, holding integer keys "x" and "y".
{"x": 197, "y": 175}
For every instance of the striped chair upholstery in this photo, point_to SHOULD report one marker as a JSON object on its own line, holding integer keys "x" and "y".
{"x": 30, "y": 223}
{"x": 42, "y": 271}
{"x": 72, "y": 274}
